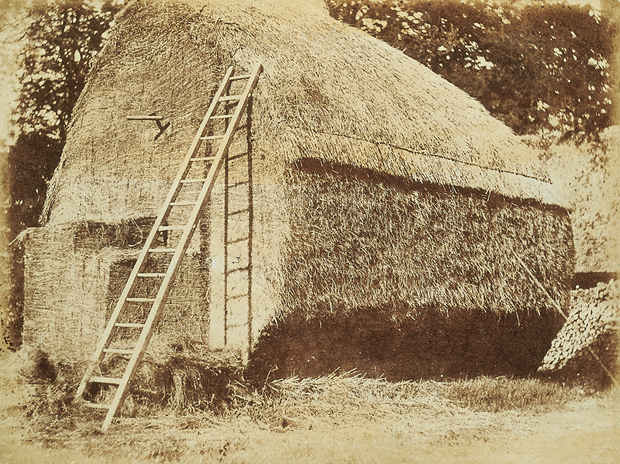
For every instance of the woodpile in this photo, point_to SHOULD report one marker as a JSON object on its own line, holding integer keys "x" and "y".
{"x": 590, "y": 332}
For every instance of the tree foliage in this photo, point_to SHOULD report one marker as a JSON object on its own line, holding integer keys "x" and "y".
{"x": 60, "y": 44}
{"x": 535, "y": 68}
{"x": 588, "y": 176}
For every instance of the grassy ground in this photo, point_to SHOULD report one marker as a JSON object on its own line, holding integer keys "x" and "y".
{"x": 340, "y": 418}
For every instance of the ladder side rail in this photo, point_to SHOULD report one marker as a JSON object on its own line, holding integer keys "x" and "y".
{"x": 138, "y": 267}
{"x": 147, "y": 330}
{"x": 205, "y": 193}
{"x": 106, "y": 337}
{"x": 175, "y": 264}
{"x": 184, "y": 241}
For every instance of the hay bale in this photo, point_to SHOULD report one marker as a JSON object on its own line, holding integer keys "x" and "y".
{"x": 64, "y": 293}
{"x": 73, "y": 276}
{"x": 412, "y": 280}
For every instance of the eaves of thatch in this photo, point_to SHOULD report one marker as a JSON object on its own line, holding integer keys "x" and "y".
{"x": 332, "y": 92}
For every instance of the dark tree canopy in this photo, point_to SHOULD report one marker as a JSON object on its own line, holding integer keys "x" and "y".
{"x": 535, "y": 68}
{"x": 60, "y": 45}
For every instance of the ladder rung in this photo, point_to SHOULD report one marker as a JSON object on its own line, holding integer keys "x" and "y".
{"x": 151, "y": 274}
{"x": 189, "y": 181}
{"x": 110, "y": 380}
{"x": 96, "y": 405}
{"x": 178, "y": 227}
{"x": 212, "y": 137}
{"x": 241, "y": 76}
{"x": 130, "y": 325}
{"x": 117, "y": 351}
{"x": 232, "y": 158}
{"x": 237, "y": 184}
{"x": 239, "y": 211}
{"x": 204, "y": 158}
{"x": 145, "y": 118}
{"x": 232, "y": 242}
{"x": 239, "y": 269}
{"x": 140, "y": 300}
{"x": 236, "y": 297}
{"x": 222, "y": 116}
{"x": 162, "y": 250}
{"x": 230, "y": 98}
{"x": 183, "y": 203}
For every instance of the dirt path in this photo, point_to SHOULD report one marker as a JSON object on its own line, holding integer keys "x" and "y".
{"x": 586, "y": 431}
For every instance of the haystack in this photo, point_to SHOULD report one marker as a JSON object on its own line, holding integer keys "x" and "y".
{"x": 378, "y": 199}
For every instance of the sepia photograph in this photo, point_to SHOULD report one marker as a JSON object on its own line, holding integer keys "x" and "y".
{"x": 309, "y": 231}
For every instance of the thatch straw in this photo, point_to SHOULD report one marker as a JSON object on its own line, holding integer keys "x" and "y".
{"x": 361, "y": 240}
{"x": 327, "y": 92}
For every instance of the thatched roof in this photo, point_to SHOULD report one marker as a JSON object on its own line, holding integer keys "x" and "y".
{"x": 328, "y": 92}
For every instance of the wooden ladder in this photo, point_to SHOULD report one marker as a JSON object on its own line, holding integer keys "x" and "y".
{"x": 144, "y": 287}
